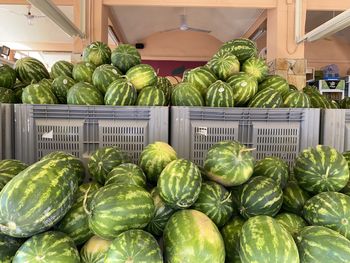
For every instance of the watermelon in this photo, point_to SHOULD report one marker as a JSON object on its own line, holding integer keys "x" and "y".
{"x": 151, "y": 96}
{"x": 346, "y": 189}
{"x": 126, "y": 173}
{"x": 229, "y": 163}
{"x": 7, "y": 76}
{"x": 344, "y": 103}
{"x": 215, "y": 201}
{"x": 120, "y": 93}
{"x": 256, "y": 67}
{"x": 201, "y": 78}
{"x": 125, "y": 56}
{"x": 317, "y": 100}
{"x": 185, "y": 94}
{"x": 219, "y": 94}
{"x": 104, "y": 75}
{"x": 162, "y": 214}
{"x": 30, "y": 70}
{"x": 142, "y": 76}
{"x": 154, "y": 158}
{"x": 275, "y": 82}
{"x": 38, "y": 94}
{"x": 97, "y": 53}
{"x": 291, "y": 222}
{"x": 231, "y": 233}
{"x": 95, "y": 250}
{"x": 321, "y": 244}
{"x": 224, "y": 65}
{"x": 190, "y": 236}
{"x": 82, "y": 72}
{"x": 60, "y": 87}
{"x": 185, "y": 74}
{"x": 274, "y": 168}
{"x": 321, "y": 168}
{"x": 134, "y": 246}
{"x": 84, "y": 93}
{"x": 296, "y": 99}
{"x": 264, "y": 240}
{"x": 267, "y": 98}
{"x": 242, "y": 48}
{"x": 8, "y": 247}
{"x": 61, "y": 68}
{"x": 116, "y": 208}
{"x": 48, "y": 247}
{"x": 7, "y": 95}
{"x": 18, "y": 90}
{"x": 292, "y": 87}
{"x": 165, "y": 85}
{"x": 9, "y": 169}
{"x": 244, "y": 87}
{"x": 294, "y": 198}
{"x": 334, "y": 104}
{"x": 46, "y": 83}
{"x": 103, "y": 160}
{"x": 180, "y": 183}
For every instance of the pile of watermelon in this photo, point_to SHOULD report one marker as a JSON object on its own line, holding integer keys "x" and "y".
{"x": 167, "y": 209}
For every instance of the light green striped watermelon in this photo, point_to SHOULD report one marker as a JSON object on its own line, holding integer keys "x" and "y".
{"x": 201, "y": 78}
{"x": 321, "y": 168}
{"x": 18, "y": 90}
{"x": 38, "y": 94}
{"x": 82, "y": 72}
{"x": 84, "y": 93}
{"x": 317, "y": 100}
{"x": 229, "y": 163}
{"x": 185, "y": 74}
{"x": 275, "y": 82}
{"x": 274, "y": 168}
{"x": 154, "y": 158}
{"x": 48, "y": 247}
{"x": 8, "y": 169}
{"x": 134, "y": 246}
{"x": 94, "y": 250}
{"x": 219, "y": 94}
{"x": 30, "y": 70}
{"x": 142, "y": 76}
{"x": 7, "y": 95}
{"x": 291, "y": 222}
{"x": 97, "y": 53}
{"x": 346, "y": 189}
{"x": 334, "y": 104}
{"x": 126, "y": 173}
{"x": 185, "y": 94}
{"x": 104, "y": 75}
{"x": 125, "y": 56}
{"x": 256, "y": 67}
{"x": 165, "y": 85}
{"x": 120, "y": 93}
{"x": 292, "y": 87}
{"x": 322, "y": 245}
{"x": 242, "y": 48}
{"x": 61, "y": 68}
{"x": 8, "y": 247}
{"x": 215, "y": 201}
{"x": 151, "y": 96}
{"x": 264, "y": 240}
{"x": 296, "y": 99}
{"x": 116, "y": 208}
{"x": 344, "y": 103}
{"x": 7, "y": 76}
{"x": 104, "y": 160}
{"x": 244, "y": 87}
{"x": 224, "y": 65}
{"x": 60, "y": 87}
{"x": 267, "y": 98}
{"x": 190, "y": 236}
{"x": 294, "y": 198}
{"x": 46, "y": 82}
{"x": 180, "y": 183}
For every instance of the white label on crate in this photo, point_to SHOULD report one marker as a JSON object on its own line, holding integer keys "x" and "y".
{"x": 48, "y": 135}
{"x": 202, "y": 131}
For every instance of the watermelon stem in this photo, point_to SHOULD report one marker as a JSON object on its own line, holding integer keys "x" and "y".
{"x": 84, "y": 202}
{"x": 227, "y": 198}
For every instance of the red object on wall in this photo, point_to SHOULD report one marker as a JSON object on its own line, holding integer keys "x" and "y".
{"x": 172, "y": 68}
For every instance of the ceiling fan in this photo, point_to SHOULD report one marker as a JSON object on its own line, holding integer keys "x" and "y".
{"x": 30, "y": 17}
{"x": 185, "y": 27}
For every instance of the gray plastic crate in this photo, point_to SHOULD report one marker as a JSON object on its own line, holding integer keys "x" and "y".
{"x": 278, "y": 132}
{"x": 6, "y": 131}
{"x": 80, "y": 130}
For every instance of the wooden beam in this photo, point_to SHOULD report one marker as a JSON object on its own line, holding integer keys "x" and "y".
{"x": 78, "y": 44}
{"x": 24, "y": 2}
{"x": 39, "y": 46}
{"x": 255, "y": 26}
{"x": 116, "y": 26}
{"x": 324, "y": 5}
{"x": 98, "y": 13}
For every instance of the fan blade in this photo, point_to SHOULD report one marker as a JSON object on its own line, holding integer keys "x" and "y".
{"x": 168, "y": 30}
{"x": 198, "y": 30}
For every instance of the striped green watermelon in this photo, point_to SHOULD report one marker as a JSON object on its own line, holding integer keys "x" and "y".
{"x": 84, "y": 93}
{"x": 161, "y": 215}
{"x": 294, "y": 198}
{"x": 30, "y": 70}
{"x": 296, "y": 99}
{"x": 60, "y": 87}
{"x": 344, "y": 103}
{"x": 7, "y": 76}
{"x": 165, "y": 85}
{"x": 18, "y": 89}
{"x": 242, "y": 48}
{"x": 275, "y": 82}
{"x": 104, "y": 75}
{"x": 264, "y": 240}
{"x": 38, "y": 94}
{"x": 244, "y": 87}
{"x": 126, "y": 173}
{"x": 61, "y": 68}
{"x": 219, "y": 94}
{"x": 142, "y": 76}
{"x": 104, "y": 160}
{"x": 185, "y": 94}
{"x": 229, "y": 163}
{"x": 125, "y": 56}
{"x": 260, "y": 196}
{"x": 94, "y": 250}
{"x": 267, "y": 98}
{"x": 97, "y": 53}
{"x": 334, "y": 104}
{"x": 215, "y": 201}
{"x": 8, "y": 247}
{"x": 180, "y": 183}
{"x": 274, "y": 168}
{"x": 320, "y": 244}
{"x": 9, "y": 169}
{"x": 292, "y": 87}
{"x": 154, "y": 158}
{"x": 201, "y": 78}
{"x": 116, "y": 208}
{"x": 48, "y": 247}
{"x": 291, "y": 222}
{"x": 321, "y": 169}
{"x": 82, "y": 72}
{"x": 46, "y": 83}
{"x": 151, "y": 96}
{"x": 224, "y": 65}
{"x": 190, "y": 236}
{"x": 256, "y": 67}
{"x": 231, "y": 233}
{"x": 185, "y": 74}
{"x": 120, "y": 93}
{"x": 346, "y": 189}
{"x": 7, "y": 95}
{"x": 317, "y": 100}
{"x": 134, "y": 246}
